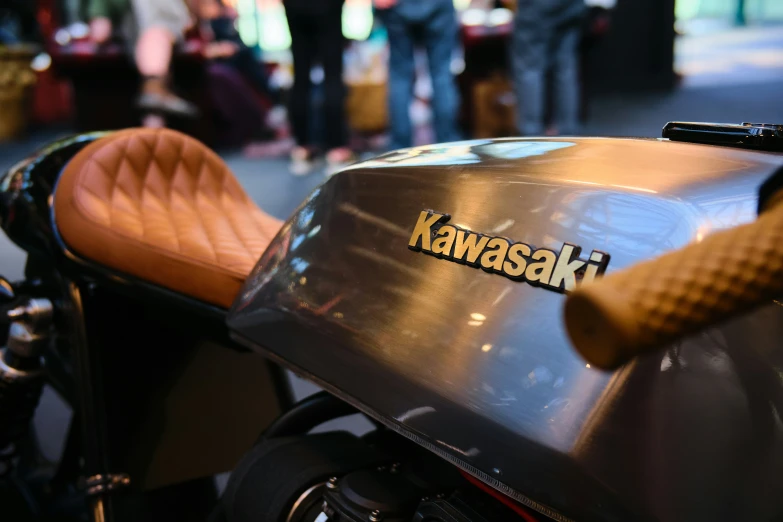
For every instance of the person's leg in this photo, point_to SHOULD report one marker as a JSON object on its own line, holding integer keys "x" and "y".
{"x": 331, "y": 44}
{"x": 303, "y": 50}
{"x": 739, "y": 17}
{"x": 566, "y": 78}
{"x": 440, "y": 39}
{"x": 153, "y": 51}
{"x": 401, "y": 75}
{"x": 529, "y": 55}
{"x": 160, "y": 24}
{"x": 236, "y": 105}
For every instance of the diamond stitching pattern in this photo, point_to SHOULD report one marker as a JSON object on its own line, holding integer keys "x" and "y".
{"x": 681, "y": 291}
{"x": 163, "y": 195}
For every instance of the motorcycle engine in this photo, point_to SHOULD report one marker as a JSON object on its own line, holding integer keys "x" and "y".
{"x": 395, "y": 496}
{"x": 400, "y": 492}
{"x": 337, "y": 477}
{"x": 391, "y": 494}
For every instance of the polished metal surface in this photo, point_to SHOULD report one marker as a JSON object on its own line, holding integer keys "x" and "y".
{"x": 310, "y": 495}
{"x": 10, "y": 374}
{"x": 26, "y": 193}
{"x": 30, "y": 329}
{"x": 477, "y": 367}
{"x": 101, "y": 484}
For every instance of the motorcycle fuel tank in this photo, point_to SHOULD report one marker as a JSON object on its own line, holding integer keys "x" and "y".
{"x": 426, "y": 287}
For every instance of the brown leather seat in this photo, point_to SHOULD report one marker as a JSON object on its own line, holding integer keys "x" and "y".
{"x": 160, "y": 206}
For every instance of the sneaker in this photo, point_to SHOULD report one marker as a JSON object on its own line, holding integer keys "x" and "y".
{"x": 301, "y": 162}
{"x": 156, "y": 97}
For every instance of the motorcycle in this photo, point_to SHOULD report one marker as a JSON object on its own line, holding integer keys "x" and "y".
{"x": 453, "y": 294}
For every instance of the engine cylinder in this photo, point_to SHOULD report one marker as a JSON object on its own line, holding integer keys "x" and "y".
{"x": 21, "y": 375}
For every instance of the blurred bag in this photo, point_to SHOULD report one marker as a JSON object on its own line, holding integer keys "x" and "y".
{"x": 366, "y": 74}
{"x": 494, "y": 108}
{"x": 16, "y": 81}
{"x": 367, "y": 107}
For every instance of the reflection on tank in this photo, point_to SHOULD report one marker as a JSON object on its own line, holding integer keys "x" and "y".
{"x": 466, "y": 346}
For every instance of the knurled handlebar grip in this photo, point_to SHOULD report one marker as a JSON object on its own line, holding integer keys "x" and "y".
{"x": 657, "y": 302}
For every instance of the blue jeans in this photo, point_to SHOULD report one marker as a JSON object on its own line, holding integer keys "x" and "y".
{"x": 432, "y": 24}
{"x": 546, "y": 37}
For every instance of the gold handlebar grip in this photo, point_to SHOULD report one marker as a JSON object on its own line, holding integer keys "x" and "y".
{"x": 655, "y": 303}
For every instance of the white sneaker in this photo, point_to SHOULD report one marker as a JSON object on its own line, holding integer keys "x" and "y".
{"x": 301, "y": 162}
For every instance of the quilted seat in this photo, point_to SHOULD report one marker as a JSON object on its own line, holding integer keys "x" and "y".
{"x": 160, "y": 206}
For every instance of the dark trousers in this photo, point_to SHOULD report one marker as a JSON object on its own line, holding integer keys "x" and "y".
{"x": 546, "y": 37}
{"x": 236, "y": 105}
{"x": 432, "y": 25}
{"x": 313, "y": 37}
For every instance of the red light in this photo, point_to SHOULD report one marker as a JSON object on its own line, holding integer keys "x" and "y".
{"x": 510, "y": 503}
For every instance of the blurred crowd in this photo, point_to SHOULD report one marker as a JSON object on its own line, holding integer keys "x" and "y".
{"x": 543, "y": 68}
{"x": 152, "y": 29}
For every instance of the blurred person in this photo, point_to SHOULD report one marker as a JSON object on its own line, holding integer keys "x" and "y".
{"x": 226, "y": 45}
{"x": 231, "y": 71}
{"x": 547, "y": 34}
{"x": 18, "y": 23}
{"x": 740, "y": 18}
{"x": 237, "y": 108}
{"x": 104, "y": 15}
{"x": 157, "y": 25}
{"x": 316, "y": 31}
{"x": 433, "y": 24}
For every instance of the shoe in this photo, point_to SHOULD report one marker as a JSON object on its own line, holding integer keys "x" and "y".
{"x": 156, "y": 97}
{"x": 337, "y": 161}
{"x": 153, "y": 121}
{"x": 301, "y": 162}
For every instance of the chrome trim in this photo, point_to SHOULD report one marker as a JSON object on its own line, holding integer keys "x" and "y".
{"x": 12, "y": 374}
{"x": 99, "y": 484}
{"x": 301, "y": 499}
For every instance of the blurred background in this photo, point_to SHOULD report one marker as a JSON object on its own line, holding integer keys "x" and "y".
{"x": 231, "y": 76}
{"x": 641, "y": 64}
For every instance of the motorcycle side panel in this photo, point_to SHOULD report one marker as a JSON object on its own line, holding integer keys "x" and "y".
{"x": 477, "y": 367}
{"x": 162, "y": 356}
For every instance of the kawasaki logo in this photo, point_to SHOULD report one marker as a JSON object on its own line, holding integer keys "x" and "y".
{"x": 520, "y": 262}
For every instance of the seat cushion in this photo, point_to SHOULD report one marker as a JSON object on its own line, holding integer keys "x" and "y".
{"x": 160, "y": 206}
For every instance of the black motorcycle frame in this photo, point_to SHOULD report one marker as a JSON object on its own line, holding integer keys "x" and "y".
{"x": 121, "y": 349}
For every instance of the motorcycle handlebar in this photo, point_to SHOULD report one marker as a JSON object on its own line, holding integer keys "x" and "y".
{"x": 655, "y": 303}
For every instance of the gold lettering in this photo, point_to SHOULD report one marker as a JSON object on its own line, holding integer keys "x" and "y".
{"x": 442, "y": 245}
{"x": 422, "y": 232}
{"x": 590, "y": 273}
{"x": 594, "y": 268}
{"x": 469, "y": 244}
{"x": 515, "y": 266}
{"x": 542, "y": 271}
{"x": 565, "y": 269}
{"x": 562, "y": 271}
{"x": 493, "y": 259}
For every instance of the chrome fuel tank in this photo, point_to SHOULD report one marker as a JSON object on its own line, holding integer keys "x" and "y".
{"x": 476, "y": 365}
